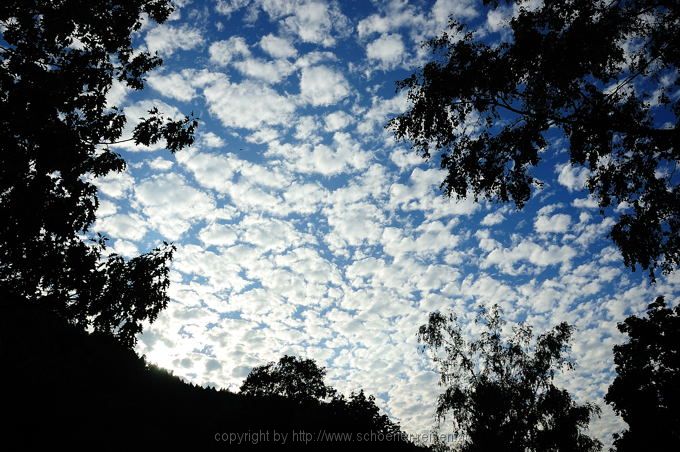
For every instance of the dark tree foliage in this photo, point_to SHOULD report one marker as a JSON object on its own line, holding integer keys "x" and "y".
{"x": 63, "y": 388}
{"x": 292, "y": 377}
{"x": 646, "y": 390}
{"x": 58, "y": 60}
{"x": 500, "y": 392}
{"x": 602, "y": 73}
{"x": 364, "y": 410}
{"x": 302, "y": 381}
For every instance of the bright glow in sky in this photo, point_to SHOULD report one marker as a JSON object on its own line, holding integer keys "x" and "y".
{"x": 303, "y": 228}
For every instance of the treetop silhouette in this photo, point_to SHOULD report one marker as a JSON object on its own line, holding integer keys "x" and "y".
{"x": 58, "y": 61}
{"x": 646, "y": 390}
{"x": 302, "y": 380}
{"x": 293, "y": 377}
{"x": 602, "y": 74}
{"x": 500, "y": 393}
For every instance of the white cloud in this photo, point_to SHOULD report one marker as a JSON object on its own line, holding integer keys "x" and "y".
{"x": 312, "y": 23}
{"x": 497, "y": 19}
{"x": 117, "y": 94}
{"x": 235, "y": 51}
{"x": 343, "y": 155}
{"x": 312, "y": 20}
{"x": 558, "y": 223}
{"x": 171, "y": 204}
{"x": 405, "y": 158}
{"x": 217, "y": 234}
{"x": 263, "y": 135}
{"x": 314, "y": 58}
{"x": 211, "y": 140}
{"x": 430, "y": 238}
{"x": 249, "y": 186}
{"x": 124, "y": 226}
{"x": 173, "y": 85}
{"x": 585, "y": 203}
{"x": 268, "y": 71}
{"x": 572, "y": 177}
{"x": 422, "y": 194}
{"x": 211, "y": 170}
{"x": 302, "y": 198}
{"x": 167, "y": 39}
{"x": 337, "y": 120}
{"x": 307, "y": 129}
{"x": 379, "y": 112}
{"x": 354, "y": 224}
{"x": 106, "y": 208}
{"x": 493, "y": 218}
{"x": 227, "y": 7}
{"x": 115, "y": 184}
{"x": 269, "y": 234}
{"x": 203, "y": 77}
{"x": 160, "y": 164}
{"x": 531, "y": 252}
{"x": 322, "y": 86}
{"x": 224, "y": 52}
{"x": 222, "y": 272}
{"x": 248, "y": 105}
{"x": 388, "y": 50}
{"x": 397, "y": 15}
{"x": 125, "y": 249}
{"x": 442, "y": 10}
{"x": 277, "y": 47}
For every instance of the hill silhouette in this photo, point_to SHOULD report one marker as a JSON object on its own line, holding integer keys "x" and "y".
{"x": 64, "y": 386}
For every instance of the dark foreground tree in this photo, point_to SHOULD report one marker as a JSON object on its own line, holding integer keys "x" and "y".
{"x": 303, "y": 381}
{"x": 58, "y": 60}
{"x": 365, "y": 412}
{"x": 63, "y": 388}
{"x": 292, "y": 377}
{"x": 646, "y": 390}
{"x": 602, "y": 74}
{"x": 500, "y": 392}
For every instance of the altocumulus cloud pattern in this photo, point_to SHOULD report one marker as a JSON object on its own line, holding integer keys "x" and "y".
{"x": 303, "y": 228}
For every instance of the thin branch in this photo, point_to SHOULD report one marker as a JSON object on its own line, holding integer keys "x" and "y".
{"x": 562, "y": 120}
{"x": 111, "y": 142}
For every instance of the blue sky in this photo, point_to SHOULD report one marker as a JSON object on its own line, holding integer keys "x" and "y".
{"x": 303, "y": 228}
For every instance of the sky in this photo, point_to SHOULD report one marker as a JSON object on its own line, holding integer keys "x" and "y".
{"x": 302, "y": 227}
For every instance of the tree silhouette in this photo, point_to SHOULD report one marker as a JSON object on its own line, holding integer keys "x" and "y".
{"x": 365, "y": 413}
{"x": 646, "y": 391}
{"x": 500, "y": 392}
{"x": 79, "y": 389}
{"x": 603, "y": 75}
{"x": 302, "y": 381}
{"x": 58, "y": 61}
{"x": 292, "y": 377}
